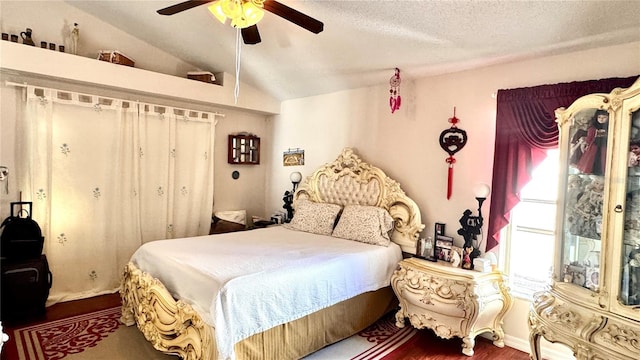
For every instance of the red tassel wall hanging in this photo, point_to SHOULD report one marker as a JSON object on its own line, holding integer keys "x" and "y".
{"x": 452, "y": 140}
{"x": 394, "y": 91}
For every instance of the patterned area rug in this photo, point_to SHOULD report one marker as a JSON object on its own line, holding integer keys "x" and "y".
{"x": 376, "y": 342}
{"x": 100, "y": 335}
{"x": 386, "y": 336}
{"x": 56, "y": 339}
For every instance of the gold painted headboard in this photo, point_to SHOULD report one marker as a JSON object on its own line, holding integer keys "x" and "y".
{"x": 349, "y": 180}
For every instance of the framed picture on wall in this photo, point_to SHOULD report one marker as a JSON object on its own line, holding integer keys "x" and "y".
{"x": 293, "y": 157}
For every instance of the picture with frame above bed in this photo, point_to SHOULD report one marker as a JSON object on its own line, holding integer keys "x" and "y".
{"x": 208, "y": 317}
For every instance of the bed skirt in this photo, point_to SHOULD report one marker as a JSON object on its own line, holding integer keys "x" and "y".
{"x": 173, "y": 327}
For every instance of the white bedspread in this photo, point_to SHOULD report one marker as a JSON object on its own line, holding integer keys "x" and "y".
{"x": 246, "y": 282}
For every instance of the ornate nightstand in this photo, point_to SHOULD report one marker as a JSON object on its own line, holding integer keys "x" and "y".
{"x": 451, "y": 301}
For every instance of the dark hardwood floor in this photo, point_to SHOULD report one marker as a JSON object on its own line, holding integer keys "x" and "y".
{"x": 425, "y": 346}
{"x": 66, "y": 309}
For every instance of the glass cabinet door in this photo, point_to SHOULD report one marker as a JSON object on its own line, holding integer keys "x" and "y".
{"x": 581, "y": 232}
{"x": 630, "y": 276}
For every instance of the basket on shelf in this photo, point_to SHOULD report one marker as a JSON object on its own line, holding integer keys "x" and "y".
{"x": 203, "y": 76}
{"x": 115, "y": 57}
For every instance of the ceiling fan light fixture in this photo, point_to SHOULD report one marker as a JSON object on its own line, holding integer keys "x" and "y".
{"x": 243, "y": 13}
{"x": 216, "y": 10}
{"x": 251, "y": 14}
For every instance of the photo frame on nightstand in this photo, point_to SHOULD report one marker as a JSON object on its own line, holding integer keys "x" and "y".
{"x": 443, "y": 247}
{"x": 426, "y": 249}
{"x": 439, "y": 230}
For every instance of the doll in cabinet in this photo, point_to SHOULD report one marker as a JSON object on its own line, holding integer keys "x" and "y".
{"x": 593, "y": 158}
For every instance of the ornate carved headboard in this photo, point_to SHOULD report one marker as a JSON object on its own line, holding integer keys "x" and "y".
{"x": 349, "y": 180}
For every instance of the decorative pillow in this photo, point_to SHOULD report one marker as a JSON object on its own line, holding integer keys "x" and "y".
{"x": 317, "y": 218}
{"x": 367, "y": 224}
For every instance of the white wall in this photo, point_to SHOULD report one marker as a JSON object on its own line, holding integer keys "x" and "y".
{"x": 247, "y": 192}
{"x": 405, "y": 144}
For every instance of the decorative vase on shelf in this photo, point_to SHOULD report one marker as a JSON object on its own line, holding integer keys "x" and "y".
{"x": 75, "y": 37}
{"x": 26, "y": 37}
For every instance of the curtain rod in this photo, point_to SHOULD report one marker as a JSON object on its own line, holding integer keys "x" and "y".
{"x": 24, "y": 86}
{"x": 9, "y": 83}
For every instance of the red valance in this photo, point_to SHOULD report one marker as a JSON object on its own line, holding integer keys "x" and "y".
{"x": 525, "y": 128}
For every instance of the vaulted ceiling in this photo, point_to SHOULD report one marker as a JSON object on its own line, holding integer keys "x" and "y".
{"x": 364, "y": 41}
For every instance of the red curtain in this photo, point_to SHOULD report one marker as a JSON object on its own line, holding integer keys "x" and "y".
{"x": 525, "y": 129}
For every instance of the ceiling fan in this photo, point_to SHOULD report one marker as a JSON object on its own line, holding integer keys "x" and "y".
{"x": 250, "y": 34}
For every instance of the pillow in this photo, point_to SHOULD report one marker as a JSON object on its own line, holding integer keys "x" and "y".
{"x": 317, "y": 218}
{"x": 367, "y": 224}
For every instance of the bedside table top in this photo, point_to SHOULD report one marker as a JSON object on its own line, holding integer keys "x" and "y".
{"x": 445, "y": 268}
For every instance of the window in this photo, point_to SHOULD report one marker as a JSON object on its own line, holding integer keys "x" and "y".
{"x": 531, "y": 232}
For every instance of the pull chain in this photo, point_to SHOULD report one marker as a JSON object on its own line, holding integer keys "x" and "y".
{"x": 236, "y": 89}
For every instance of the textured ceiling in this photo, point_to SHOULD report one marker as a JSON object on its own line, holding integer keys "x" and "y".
{"x": 363, "y": 41}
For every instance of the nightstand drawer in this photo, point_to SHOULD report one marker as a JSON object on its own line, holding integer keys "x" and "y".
{"x": 427, "y": 299}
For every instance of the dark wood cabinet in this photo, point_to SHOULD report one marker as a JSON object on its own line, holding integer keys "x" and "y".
{"x": 244, "y": 149}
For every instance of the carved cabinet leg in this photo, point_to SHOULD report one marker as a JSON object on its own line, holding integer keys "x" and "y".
{"x": 498, "y": 337}
{"x": 534, "y": 342}
{"x": 468, "y": 344}
{"x": 400, "y": 319}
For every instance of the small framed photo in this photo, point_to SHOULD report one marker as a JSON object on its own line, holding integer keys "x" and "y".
{"x": 426, "y": 249}
{"x": 593, "y": 278}
{"x": 456, "y": 256}
{"x": 439, "y": 230}
{"x": 443, "y": 247}
{"x": 574, "y": 273}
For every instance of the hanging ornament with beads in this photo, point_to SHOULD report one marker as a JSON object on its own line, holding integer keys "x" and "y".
{"x": 452, "y": 140}
{"x": 394, "y": 91}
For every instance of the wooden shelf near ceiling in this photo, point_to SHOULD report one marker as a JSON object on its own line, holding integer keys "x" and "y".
{"x": 20, "y": 59}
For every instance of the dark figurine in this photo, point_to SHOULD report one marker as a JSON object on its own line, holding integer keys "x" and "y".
{"x": 288, "y": 201}
{"x": 471, "y": 228}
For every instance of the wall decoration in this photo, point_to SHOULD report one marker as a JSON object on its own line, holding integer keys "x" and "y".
{"x": 293, "y": 157}
{"x": 452, "y": 140}
{"x": 394, "y": 92}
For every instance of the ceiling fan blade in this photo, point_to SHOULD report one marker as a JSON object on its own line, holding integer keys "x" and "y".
{"x": 186, "y": 5}
{"x": 294, "y": 16}
{"x": 251, "y": 35}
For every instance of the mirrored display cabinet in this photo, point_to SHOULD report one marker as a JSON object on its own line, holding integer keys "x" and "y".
{"x": 244, "y": 149}
{"x": 593, "y": 302}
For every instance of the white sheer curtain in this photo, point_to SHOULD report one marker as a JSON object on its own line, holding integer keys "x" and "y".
{"x": 176, "y": 149}
{"x": 105, "y": 176}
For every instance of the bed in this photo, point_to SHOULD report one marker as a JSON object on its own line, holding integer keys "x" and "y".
{"x": 168, "y": 292}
